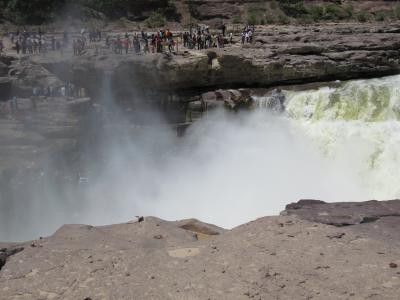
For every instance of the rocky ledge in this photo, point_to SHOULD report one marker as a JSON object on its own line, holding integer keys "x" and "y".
{"x": 278, "y": 55}
{"x": 298, "y": 255}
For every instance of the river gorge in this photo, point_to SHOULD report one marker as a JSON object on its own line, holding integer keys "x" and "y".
{"x": 300, "y": 125}
{"x": 331, "y": 141}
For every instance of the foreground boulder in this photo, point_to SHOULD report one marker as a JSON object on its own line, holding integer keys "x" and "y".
{"x": 376, "y": 219}
{"x": 282, "y": 257}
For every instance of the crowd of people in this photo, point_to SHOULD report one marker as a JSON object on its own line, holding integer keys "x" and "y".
{"x": 198, "y": 37}
{"x": 202, "y": 38}
{"x": 247, "y": 34}
{"x": 28, "y": 42}
{"x": 162, "y": 40}
{"x": 32, "y": 42}
{"x": 125, "y": 44}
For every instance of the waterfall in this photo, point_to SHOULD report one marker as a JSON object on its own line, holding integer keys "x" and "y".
{"x": 357, "y": 122}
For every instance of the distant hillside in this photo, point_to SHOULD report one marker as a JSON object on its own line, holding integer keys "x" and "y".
{"x": 157, "y": 12}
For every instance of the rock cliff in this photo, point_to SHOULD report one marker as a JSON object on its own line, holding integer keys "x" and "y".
{"x": 279, "y": 55}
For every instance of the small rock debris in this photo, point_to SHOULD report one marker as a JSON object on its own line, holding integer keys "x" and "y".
{"x": 337, "y": 235}
{"x": 322, "y": 267}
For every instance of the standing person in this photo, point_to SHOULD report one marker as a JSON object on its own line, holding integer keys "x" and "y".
{"x": 158, "y": 44}
{"x": 126, "y": 45}
{"x": 53, "y": 43}
{"x": 35, "y": 47}
{"x": 223, "y": 30}
{"x": 171, "y": 44}
{"x": 74, "y": 47}
{"x": 14, "y": 104}
{"x": 120, "y": 46}
{"x": 24, "y": 46}
{"x": 65, "y": 37}
{"x": 35, "y": 93}
{"x": 30, "y": 46}
{"x": 138, "y": 45}
{"x": 153, "y": 43}
{"x": 146, "y": 46}
{"x": 185, "y": 39}
{"x": 62, "y": 50}
{"x": 198, "y": 42}
{"x": 17, "y": 46}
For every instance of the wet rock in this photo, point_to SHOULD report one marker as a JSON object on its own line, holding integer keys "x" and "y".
{"x": 274, "y": 101}
{"x": 231, "y": 99}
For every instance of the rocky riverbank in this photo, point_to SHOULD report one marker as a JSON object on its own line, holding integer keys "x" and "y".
{"x": 278, "y": 55}
{"x": 295, "y": 256}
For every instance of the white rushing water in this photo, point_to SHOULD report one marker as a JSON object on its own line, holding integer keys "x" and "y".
{"x": 338, "y": 143}
{"x": 356, "y": 123}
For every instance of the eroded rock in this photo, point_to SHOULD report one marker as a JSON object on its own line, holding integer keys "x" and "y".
{"x": 248, "y": 261}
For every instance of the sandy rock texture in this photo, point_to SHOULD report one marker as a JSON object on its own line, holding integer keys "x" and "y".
{"x": 283, "y": 257}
